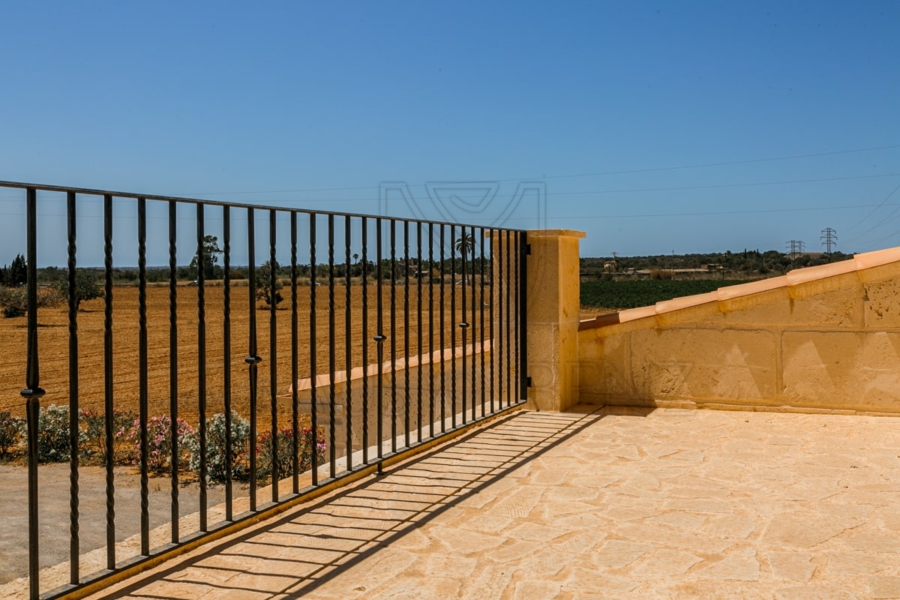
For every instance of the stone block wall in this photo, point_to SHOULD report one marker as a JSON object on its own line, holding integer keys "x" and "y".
{"x": 406, "y": 378}
{"x": 818, "y": 339}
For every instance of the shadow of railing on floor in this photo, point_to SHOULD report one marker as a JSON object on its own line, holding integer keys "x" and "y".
{"x": 295, "y": 554}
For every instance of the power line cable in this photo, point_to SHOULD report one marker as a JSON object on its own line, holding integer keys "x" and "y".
{"x": 563, "y": 218}
{"x": 595, "y": 174}
{"x": 620, "y": 191}
{"x": 882, "y": 222}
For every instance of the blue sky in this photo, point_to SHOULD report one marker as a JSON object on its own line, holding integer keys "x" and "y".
{"x": 791, "y": 107}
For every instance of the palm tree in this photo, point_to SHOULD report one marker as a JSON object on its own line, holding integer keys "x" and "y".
{"x": 465, "y": 245}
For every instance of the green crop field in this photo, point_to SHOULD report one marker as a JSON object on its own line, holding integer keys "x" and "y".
{"x": 632, "y": 294}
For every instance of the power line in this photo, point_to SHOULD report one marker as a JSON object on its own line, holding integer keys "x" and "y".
{"x": 727, "y": 185}
{"x": 570, "y": 176}
{"x": 718, "y": 164}
{"x": 617, "y": 191}
{"x": 658, "y": 189}
{"x": 563, "y": 218}
{"x": 595, "y": 174}
{"x": 886, "y": 198}
{"x": 882, "y": 222}
{"x": 877, "y": 243}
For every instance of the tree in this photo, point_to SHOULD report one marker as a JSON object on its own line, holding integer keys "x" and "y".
{"x": 264, "y": 277}
{"x": 87, "y": 287}
{"x": 211, "y": 252}
{"x": 465, "y": 245}
{"x": 18, "y": 272}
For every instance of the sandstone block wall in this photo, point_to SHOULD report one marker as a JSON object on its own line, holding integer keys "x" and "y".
{"x": 822, "y": 339}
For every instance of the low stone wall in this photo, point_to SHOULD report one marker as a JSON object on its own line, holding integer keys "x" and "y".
{"x": 818, "y": 339}
{"x": 401, "y": 379}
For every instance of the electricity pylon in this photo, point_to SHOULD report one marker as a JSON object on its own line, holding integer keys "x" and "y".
{"x": 796, "y": 248}
{"x": 829, "y": 238}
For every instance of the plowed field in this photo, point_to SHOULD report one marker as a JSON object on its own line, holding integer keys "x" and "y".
{"x": 54, "y": 354}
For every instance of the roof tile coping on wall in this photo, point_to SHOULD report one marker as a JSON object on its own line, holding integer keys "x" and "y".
{"x": 859, "y": 262}
{"x": 438, "y": 356}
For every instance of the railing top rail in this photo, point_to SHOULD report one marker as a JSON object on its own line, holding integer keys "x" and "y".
{"x": 156, "y": 197}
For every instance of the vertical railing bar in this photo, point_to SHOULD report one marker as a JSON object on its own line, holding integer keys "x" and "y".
{"x": 143, "y": 384}
{"x": 441, "y": 339}
{"x": 201, "y": 360}
{"x": 406, "y": 332}
{"x": 32, "y": 394}
{"x": 393, "y": 335}
{"x": 523, "y": 316}
{"x": 365, "y": 343}
{"x": 481, "y": 325}
{"x": 430, "y": 330}
{"x": 463, "y": 324}
{"x": 419, "y": 329}
{"x": 348, "y": 349}
{"x": 516, "y": 332}
{"x": 453, "y": 327}
{"x": 252, "y": 358}
{"x": 295, "y": 374}
{"x": 314, "y": 425}
{"x": 500, "y": 252}
{"x": 473, "y": 322}
{"x": 74, "y": 537}
{"x": 379, "y": 338}
{"x": 273, "y": 351}
{"x": 332, "y": 387}
{"x": 226, "y": 355}
{"x": 509, "y": 252}
{"x": 108, "y": 383}
{"x": 173, "y": 371}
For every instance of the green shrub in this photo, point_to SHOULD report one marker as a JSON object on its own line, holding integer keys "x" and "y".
{"x": 15, "y": 300}
{"x": 11, "y": 312}
{"x": 94, "y": 446}
{"x": 12, "y": 431}
{"x": 215, "y": 448}
{"x": 283, "y": 456}
{"x": 53, "y": 434}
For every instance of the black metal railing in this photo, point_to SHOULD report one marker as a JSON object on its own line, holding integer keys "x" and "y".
{"x": 463, "y": 319}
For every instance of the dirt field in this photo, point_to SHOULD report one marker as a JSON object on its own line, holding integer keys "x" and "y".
{"x": 53, "y": 345}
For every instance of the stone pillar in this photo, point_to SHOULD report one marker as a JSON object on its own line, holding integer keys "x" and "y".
{"x": 554, "y": 310}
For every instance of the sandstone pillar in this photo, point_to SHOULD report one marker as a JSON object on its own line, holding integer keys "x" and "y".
{"x": 553, "y": 312}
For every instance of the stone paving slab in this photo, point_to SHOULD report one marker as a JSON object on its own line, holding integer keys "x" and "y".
{"x": 659, "y": 504}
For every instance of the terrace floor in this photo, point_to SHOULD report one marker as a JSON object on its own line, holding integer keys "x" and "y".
{"x": 665, "y": 504}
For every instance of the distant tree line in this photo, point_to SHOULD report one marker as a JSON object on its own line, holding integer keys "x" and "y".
{"x": 749, "y": 264}
{"x": 55, "y": 286}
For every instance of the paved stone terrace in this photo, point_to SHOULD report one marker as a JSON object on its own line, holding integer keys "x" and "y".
{"x": 665, "y": 504}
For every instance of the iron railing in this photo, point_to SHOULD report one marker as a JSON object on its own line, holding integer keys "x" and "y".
{"x": 460, "y": 290}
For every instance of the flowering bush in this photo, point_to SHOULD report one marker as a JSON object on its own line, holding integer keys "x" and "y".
{"x": 159, "y": 442}
{"x": 215, "y": 448}
{"x": 53, "y": 434}
{"x": 11, "y": 431}
{"x": 94, "y": 446}
{"x": 309, "y": 446}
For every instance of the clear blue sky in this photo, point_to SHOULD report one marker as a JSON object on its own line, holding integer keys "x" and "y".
{"x": 240, "y": 102}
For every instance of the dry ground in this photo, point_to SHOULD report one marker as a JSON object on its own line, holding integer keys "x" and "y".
{"x": 53, "y": 345}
